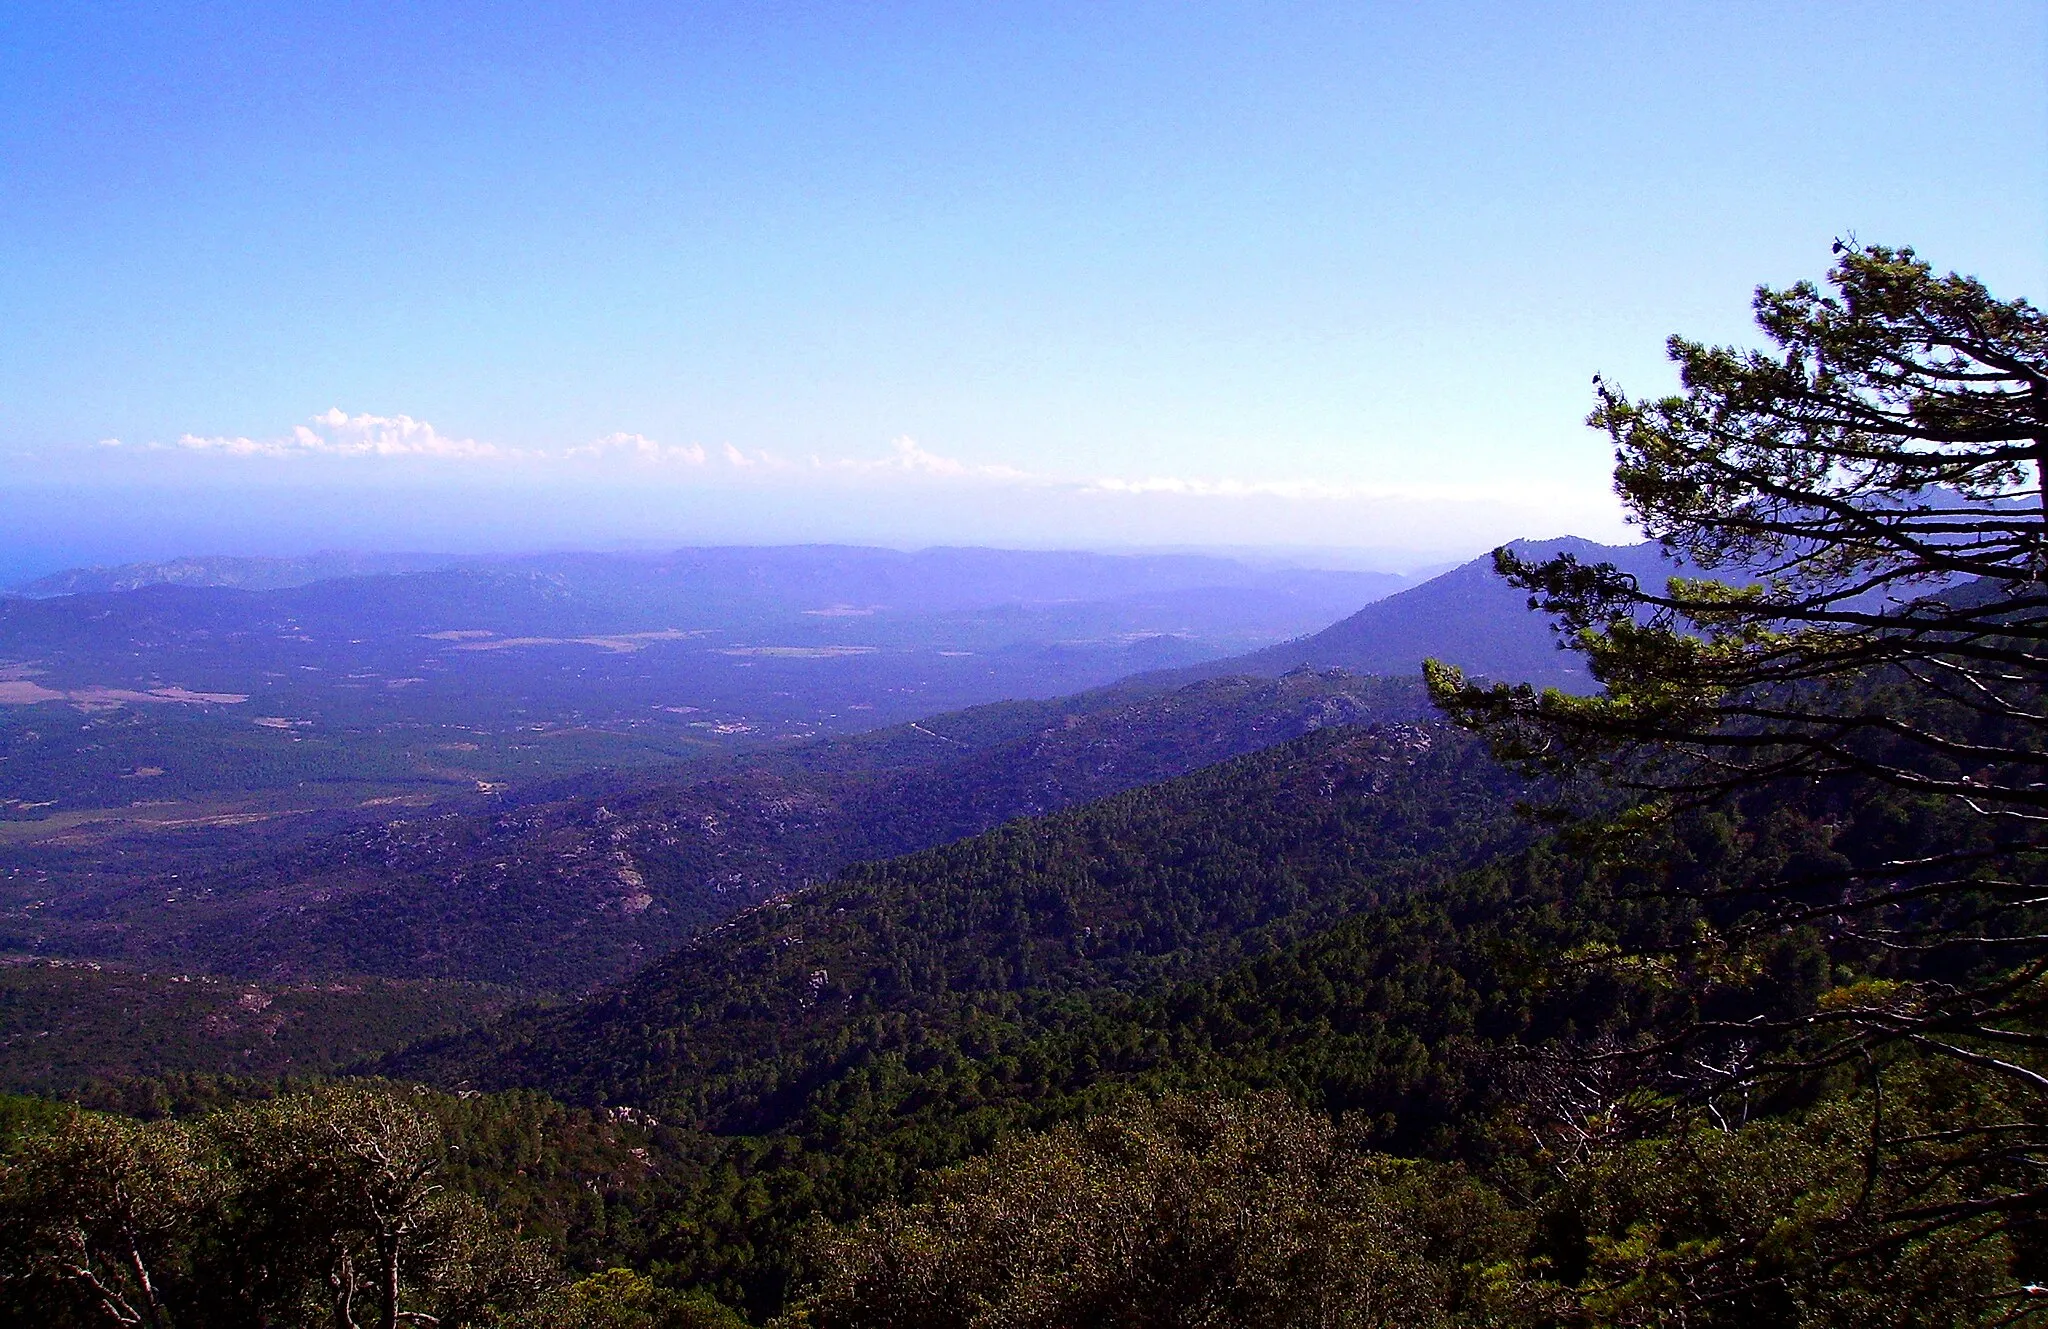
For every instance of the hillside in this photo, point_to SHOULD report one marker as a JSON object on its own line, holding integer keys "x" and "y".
{"x": 583, "y": 881}
{"x": 1355, "y": 918}
{"x": 65, "y": 1025}
{"x": 1166, "y": 882}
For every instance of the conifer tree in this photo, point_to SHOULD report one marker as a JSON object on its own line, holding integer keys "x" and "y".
{"x": 1859, "y": 528}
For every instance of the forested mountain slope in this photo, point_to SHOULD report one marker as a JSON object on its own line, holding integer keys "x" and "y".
{"x": 1354, "y": 918}
{"x": 68, "y": 1024}
{"x": 1166, "y": 882}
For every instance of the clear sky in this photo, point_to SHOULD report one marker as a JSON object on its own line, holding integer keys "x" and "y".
{"x": 503, "y": 275}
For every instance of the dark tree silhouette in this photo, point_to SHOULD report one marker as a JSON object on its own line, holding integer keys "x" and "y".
{"x": 1861, "y": 519}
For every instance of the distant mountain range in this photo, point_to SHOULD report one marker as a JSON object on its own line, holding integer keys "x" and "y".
{"x": 510, "y": 670}
{"x": 1466, "y": 615}
{"x": 806, "y": 576}
{"x": 249, "y": 574}
{"x": 506, "y": 672}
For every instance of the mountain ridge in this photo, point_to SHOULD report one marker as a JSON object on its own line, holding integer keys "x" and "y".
{"x": 1467, "y": 616}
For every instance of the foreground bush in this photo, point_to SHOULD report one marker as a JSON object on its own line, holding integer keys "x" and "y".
{"x": 1184, "y": 1212}
{"x": 1255, "y": 1213}
{"x": 320, "y": 1208}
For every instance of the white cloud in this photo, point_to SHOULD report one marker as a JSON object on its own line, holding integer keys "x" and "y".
{"x": 641, "y": 448}
{"x": 339, "y": 434}
{"x": 758, "y": 461}
{"x": 336, "y": 433}
{"x": 907, "y": 457}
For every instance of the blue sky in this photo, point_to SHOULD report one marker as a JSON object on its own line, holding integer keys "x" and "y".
{"x": 442, "y": 276}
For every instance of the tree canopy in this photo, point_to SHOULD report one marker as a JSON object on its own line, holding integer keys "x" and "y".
{"x": 1859, "y": 529}
{"x": 1874, "y": 486}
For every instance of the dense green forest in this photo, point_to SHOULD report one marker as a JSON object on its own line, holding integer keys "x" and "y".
{"x": 1398, "y": 1023}
{"x": 1713, "y": 998}
{"x": 68, "y": 1024}
{"x": 1169, "y": 881}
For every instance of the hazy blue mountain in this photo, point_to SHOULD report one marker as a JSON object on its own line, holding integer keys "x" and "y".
{"x": 1467, "y": 616}
{"x": 252, "y": 574}
{"x": 798, "y": 576}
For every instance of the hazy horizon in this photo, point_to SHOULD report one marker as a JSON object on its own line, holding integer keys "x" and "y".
{"x": 459, "y": 277}
{"x": 20, "y": 569}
